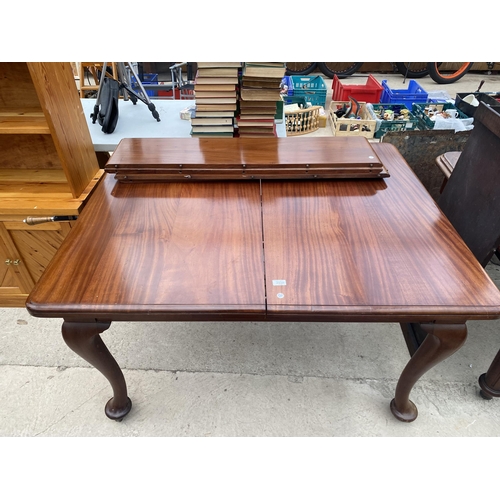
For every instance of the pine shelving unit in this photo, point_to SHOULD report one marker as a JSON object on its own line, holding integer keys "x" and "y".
{"x": 48, "y": 167}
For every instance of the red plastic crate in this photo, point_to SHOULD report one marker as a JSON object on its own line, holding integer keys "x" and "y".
{"x": 168, "y": 93}
{"x": 370, "y": 92}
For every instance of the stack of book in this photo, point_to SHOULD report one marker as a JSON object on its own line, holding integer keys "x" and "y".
{"x": 259, "y": 93}
{"x": 216, "y": 96}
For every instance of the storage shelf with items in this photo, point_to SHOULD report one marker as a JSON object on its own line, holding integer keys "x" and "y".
{"x": 48, "y": 167}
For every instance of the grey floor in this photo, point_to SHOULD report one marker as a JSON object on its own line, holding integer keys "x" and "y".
{"x": 245, "y": 379}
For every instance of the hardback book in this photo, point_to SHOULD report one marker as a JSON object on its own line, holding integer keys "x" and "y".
{"x": 213, "y": 95}
{"x": 252, "y": 123}
{"x": 271, "y": 64}
{"x": 219, "y": 65}
{"x": 215, "y": 113}
{"x": 211, "y": 121}
{"x": 269, "y": 112}
{"x": 214, "y": 87}
{"x": 210, "y": 80}
{"x": 215, "y": 107}
{"x": 249, "y": 94}
{"x": 269, "y": 132}
{"x": 257, "y": 110}
{"x": 261, "y": 83}
{"x": 253, "y": 116}
{"x": 214, "y": 100}
{"x": 264, "y": 70}
{"x": 213, "y": 128}
{"x": 216, "y": 72}
{"x": 258, "y": 104}
{"x": 213, "y": 134}
{"x": 255, "y": 136}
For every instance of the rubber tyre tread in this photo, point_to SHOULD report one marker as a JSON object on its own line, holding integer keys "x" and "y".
{"x": 340, "y": 74}
{"x": 435, "y": 74}
{"x": 306, "y": 71}
{"x": 402, "y": 68}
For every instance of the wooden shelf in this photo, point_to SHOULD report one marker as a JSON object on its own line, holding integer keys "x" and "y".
{"x": 9, "y": 176}
{"x": 43, "y": 193}
{"x": 23, "y": 122}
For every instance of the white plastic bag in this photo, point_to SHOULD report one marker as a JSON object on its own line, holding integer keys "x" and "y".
{"x": 456, "y": 124}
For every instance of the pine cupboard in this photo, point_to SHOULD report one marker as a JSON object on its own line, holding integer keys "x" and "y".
{"x": 48, "y": 167}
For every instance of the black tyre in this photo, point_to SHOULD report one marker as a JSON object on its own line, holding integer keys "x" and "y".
{"x": 342, "y": 70}
{"x": 448, "y": 72}
{"x": 412, "y": 70}
{"x": 300, "y": 68}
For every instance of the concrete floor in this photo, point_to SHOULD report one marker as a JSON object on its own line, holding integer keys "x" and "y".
{"x": 245, "y": 379}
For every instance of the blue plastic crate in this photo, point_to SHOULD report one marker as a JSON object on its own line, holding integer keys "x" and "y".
{"x": 414, "y": 93}
{"x": 147, "y": 78}
{"x": 307, "y": 83}
{"x": 288, "y": 96}
{"x": 287, "y": 80}
{"x": 313, "y": 88}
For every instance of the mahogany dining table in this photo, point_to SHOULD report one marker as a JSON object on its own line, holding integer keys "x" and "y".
{"x": 271, "y": 229}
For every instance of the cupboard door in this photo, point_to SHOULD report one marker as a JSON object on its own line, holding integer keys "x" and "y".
{"x": 25, "y": 252}
{"x": 10, "y": 291}
{"x": 16, "y": 281}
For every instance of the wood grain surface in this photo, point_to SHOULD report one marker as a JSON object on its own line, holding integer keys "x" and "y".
{"x": 244, "y": 158}
{"x": 148, "y": 247}
{"x": 224, "y": 152}
{"x": 349, "y": 250}
{"x": 356, "y": 247}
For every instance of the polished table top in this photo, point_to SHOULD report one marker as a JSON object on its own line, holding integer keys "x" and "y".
{"x": 355, "y": 250}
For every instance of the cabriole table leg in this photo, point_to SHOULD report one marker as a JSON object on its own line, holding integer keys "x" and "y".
{"x": 84, "y": 339}
{"x": 490, "y": 381}
{"x": 441, "y": 342}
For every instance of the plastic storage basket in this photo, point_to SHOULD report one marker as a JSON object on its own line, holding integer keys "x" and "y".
{"x": 384, "y": 126}
{"x": 414, "y": 93}
{"x": 370, "y": 92}
{"x": 364, "y": 126}
{"x": 151, "y": 78}
{"x": 421, "y": 112}
{"x": 312, "y": 88}
{"x": 287, "y": 81}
